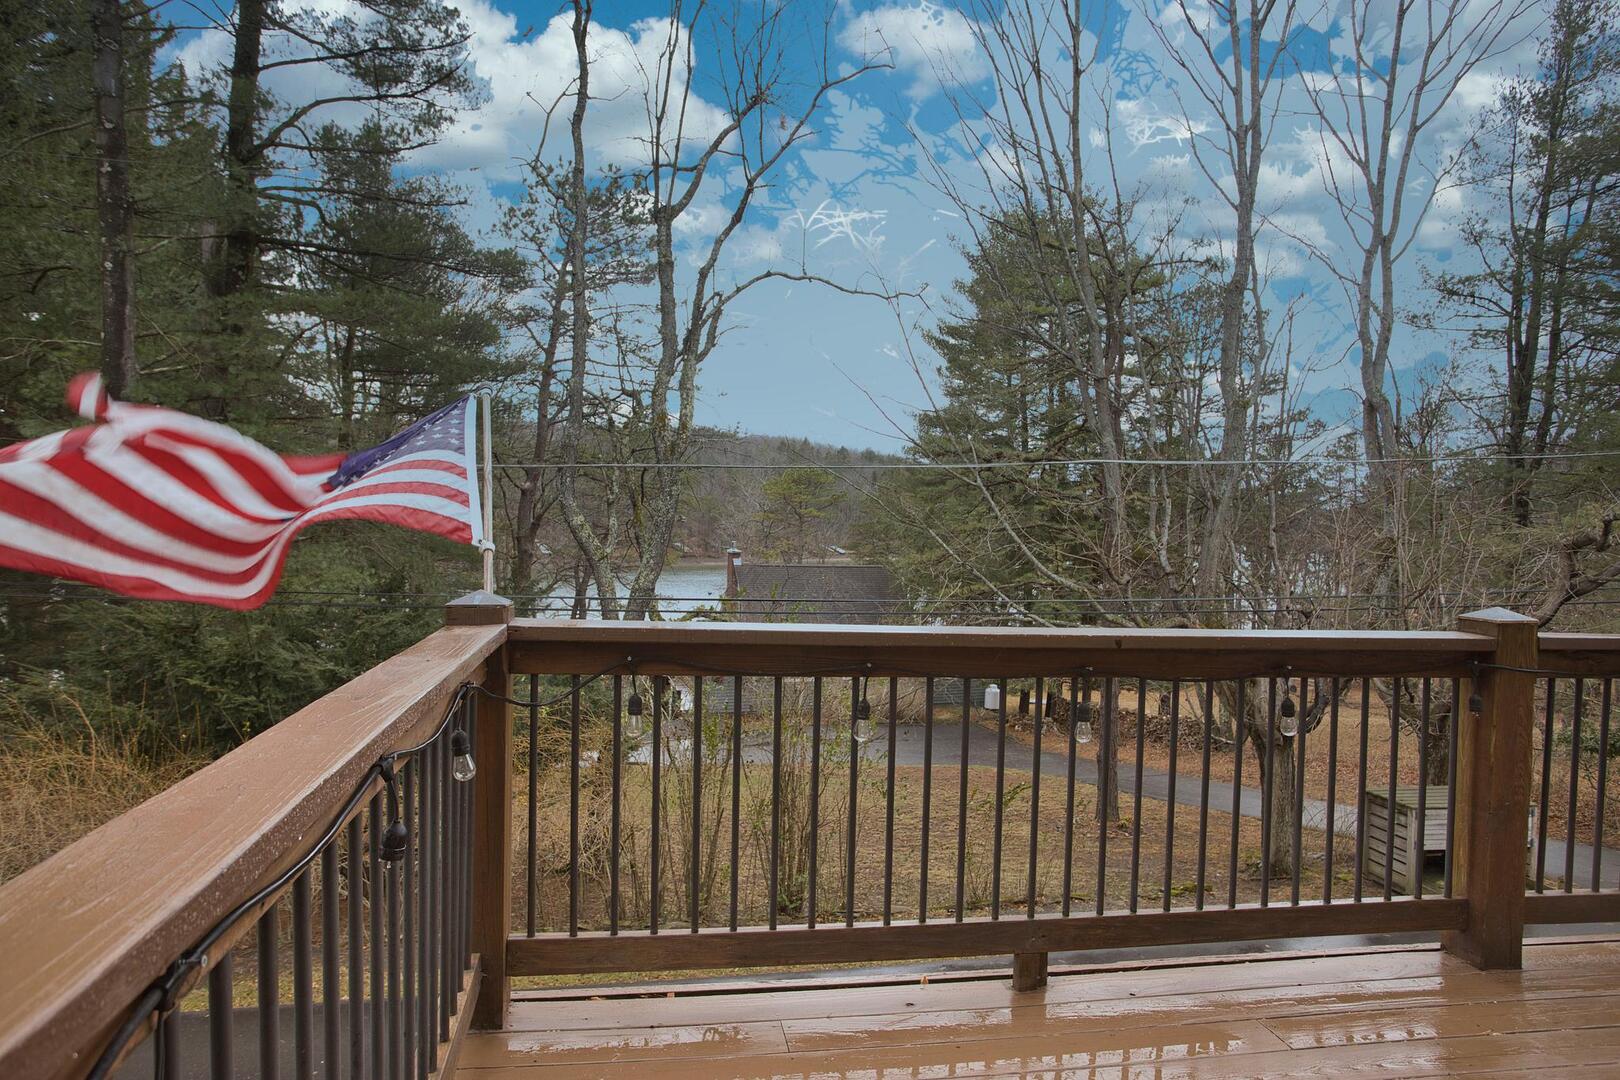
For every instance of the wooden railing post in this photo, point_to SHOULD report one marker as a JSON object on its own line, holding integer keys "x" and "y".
{"x": 1492, "y": 800}
{"x": 1029, "y": 971}
{"x": 492, "y": 816}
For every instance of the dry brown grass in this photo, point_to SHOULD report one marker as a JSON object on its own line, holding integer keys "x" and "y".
{"x": 54, "y": 790}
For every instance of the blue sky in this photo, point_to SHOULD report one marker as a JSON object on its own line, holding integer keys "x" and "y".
{"x": 859, "y": 201}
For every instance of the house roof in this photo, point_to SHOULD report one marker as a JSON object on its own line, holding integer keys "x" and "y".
{"x": 813, "y": 593}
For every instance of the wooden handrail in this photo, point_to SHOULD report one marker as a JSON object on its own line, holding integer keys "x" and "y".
{"x": 561, "y": 646}
{"x": 85, "y": 932}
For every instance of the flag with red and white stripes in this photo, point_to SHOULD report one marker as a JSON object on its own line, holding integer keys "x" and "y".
{"x": 157, "y": 504}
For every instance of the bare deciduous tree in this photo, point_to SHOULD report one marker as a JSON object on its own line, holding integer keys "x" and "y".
{"x": 759, "y": 63}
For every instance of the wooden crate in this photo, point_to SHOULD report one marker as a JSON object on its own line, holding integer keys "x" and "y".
{"x": 1408, "y": 858}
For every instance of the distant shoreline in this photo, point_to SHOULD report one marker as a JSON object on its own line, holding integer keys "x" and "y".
{"x": 708, "y": 564}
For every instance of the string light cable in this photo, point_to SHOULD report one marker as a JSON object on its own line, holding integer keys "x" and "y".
{"x": 162, "y": 998}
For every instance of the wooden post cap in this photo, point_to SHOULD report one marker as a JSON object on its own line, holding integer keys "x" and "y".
{"x": 1495, "y": 615}
{"x": 478, "y": 608}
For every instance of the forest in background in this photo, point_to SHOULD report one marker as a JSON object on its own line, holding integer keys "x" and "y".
{"x": 1118, "y": 435}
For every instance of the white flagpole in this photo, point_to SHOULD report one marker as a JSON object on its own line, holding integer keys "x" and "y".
{"x": 489, "y": 497}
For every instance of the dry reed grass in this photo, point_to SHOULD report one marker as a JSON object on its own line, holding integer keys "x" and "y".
{"x": 55, "y": 788}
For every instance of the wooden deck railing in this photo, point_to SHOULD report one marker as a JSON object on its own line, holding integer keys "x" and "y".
{"x": 87, "y": 937}
{"x": 684, "y": 796}
{"x": 693, "y": 844}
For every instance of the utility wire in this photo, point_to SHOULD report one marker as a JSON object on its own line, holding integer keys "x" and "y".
{"x": 971, "y": 466}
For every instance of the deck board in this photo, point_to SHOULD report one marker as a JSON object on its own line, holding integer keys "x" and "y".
{"x": 1405, "y": 1012}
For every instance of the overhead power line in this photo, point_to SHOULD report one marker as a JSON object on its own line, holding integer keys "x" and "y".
{"x": 970, "y": 466}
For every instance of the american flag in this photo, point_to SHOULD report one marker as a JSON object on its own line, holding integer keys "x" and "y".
{"x": 157, "y": 504}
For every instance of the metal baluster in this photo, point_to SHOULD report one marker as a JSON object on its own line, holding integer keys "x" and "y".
{"x": 1240, "y": 730}
{"x": 927, "y": 795}
{"x": 532, "y": 878}
{"x": 168, "y": 1044}
{"x": 1001, "y": 787}
{"x": 655, "y": 890}
{"x": 776, "y": 800}
{"x": 1035, "y": 797}
{"x": 376, "y": 951}
{"x": 1361, "y": 785}
{"x": 426, "y": 1057}
{"x": 1424, "y": 703}
{"x": 573, "y": 807}
{"x": 1332, "y": 792}
{"x": 396, "y": 1028}
{"x": 445, "y": 946}
{"x": 1268, "y": 788}
{"x": 1451, "y": 775}
{"x": 1136, "y": 794}
{"x": 695, "y": 855}
{"x": 1546, "y": 787}
{"x": 1602, "y": 786}
{"x": 888, "y": 819}
{"x": 269, "y": 996}
{"x": 613, "y": 809}
{"x": 1105, "y": 785}
{"x": 330, "y": 1017}
{"x": 854, "y": 779}
{"x": 1170, "y": 804}
{"x": 221, "y": 1018}
{"x": 1203, "y": 793}
{"x": 464, "y": 924}
{"x": 962, "y": 800}
{"x": 815, "y": 802}
{"x": 1068, "y": 804}
{"x": 1397, "y": 687}
{"x": 408, "y": 899}
{"x": 1296, "y": 851}
{"x": 357, "y": 960}
{"x": 303, "y": 981}
{"x": 736, "y": 791}
{"x": 1574, "y": 783}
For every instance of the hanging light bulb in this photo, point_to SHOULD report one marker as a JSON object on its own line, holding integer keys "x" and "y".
{"x": 634, "y": 708}
{"x": 860, "y": 725}
{"x": 1082, "y": 723}
{"x": 1476, "y": 700}
{"x": 1289, "y": 713}
{"x": 462, "y": 767}
{"x": 992, "y": 696}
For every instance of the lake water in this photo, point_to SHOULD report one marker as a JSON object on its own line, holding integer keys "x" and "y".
{"x": 681, "y": 588}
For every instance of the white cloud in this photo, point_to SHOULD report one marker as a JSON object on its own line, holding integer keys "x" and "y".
{"x": 754, "y": 245}
{"x": 523, "y": 76}
{"x": 528, "y": 76}
{"x": 937, "y": 46}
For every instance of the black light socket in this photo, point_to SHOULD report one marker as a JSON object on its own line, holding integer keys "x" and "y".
{"x": 396, "y": 841}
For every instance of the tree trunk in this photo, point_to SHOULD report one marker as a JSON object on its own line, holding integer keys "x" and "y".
{"x": 231, "y": 266}
{"x": 115, "y": 209}
{"x": 596, "y": 554}
{"x": 531, "y": 492}
{"x": 1277, "y": 768}
{"x": 1107, "y": 756}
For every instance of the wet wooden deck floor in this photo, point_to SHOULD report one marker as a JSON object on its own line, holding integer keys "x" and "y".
{"x": 1393, "y": 1012}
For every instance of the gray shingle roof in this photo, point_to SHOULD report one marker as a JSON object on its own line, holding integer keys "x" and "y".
{"x": 813, "y": 593}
